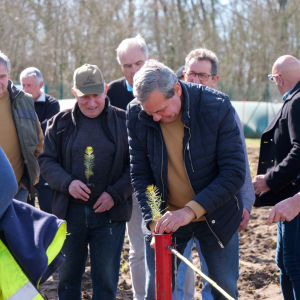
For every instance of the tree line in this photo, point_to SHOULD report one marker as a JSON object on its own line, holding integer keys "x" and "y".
{"x": 57, "y": 36}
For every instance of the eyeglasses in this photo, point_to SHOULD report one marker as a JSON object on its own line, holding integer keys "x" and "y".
{"x": 202, "y": 76}
{"x": 271, "y": 77}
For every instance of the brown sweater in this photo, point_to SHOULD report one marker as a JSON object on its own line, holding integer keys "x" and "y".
{"x": 180, "y": 192}
{"x": 9, "y": 140}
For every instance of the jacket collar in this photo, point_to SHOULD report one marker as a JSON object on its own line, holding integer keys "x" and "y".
{"x": 186, "y": 117}
{"x": 107, "y": 110}
{"x": 13, "y": 91}
{"x": 293, "y": 92}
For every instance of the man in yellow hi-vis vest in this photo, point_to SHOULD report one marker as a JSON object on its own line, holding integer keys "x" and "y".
{"x": 30, "y": 241}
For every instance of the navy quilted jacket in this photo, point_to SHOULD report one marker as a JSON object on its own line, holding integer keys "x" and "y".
{"x": 212, "y": 151}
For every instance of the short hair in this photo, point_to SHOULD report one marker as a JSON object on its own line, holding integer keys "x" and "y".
{"x": 4, "y": 59}
{"x": 136, "y": 41}
{"x": 31, "y": 71}
{"x": 204, "y": 54}
{"x": 153, "y": 76}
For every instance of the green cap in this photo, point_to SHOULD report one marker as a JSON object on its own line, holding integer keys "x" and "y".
{"x": 88, "y": 80}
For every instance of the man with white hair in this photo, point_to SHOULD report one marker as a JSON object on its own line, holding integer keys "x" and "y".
{"x": 46, "y": 107}
{"x": 183, "y": 139}
{"x": 21, "y": 136}
{"x": 131, "y": 55}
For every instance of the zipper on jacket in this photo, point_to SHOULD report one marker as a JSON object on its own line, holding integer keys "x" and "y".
{"x": 219, "y": 242}
{"x": 22, "y": 145}
{"x": 188, "y": 148}
{"x": 162, "y": 164}
{"x": 237, "y": 202}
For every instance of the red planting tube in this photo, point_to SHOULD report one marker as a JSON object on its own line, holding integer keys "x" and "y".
{"x": 163, "y": 267}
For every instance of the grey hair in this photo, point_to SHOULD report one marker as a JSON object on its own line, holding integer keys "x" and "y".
{"x": 154, "y": 76}
{"x": 31, "y": 71}
{"x": 4, "y": 59}
{"x": 136, "y": 41}
{"x": 204, "y": 54}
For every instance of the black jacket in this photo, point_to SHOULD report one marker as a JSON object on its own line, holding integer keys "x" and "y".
{"x": 55, "y": 161}
{"x": 212, "y": 151}
{"x": 118, "y": 94}
{"x": 279, "y": 155}
{"x": 46, "y": 110}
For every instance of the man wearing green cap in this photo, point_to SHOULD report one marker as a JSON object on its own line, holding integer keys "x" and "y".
{"x": 95, "y": 216}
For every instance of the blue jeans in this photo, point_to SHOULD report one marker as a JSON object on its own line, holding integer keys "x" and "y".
{"x": 288, "y": 257}
{"x": 105, "y": 238}
{"x": 185, "y": 276}
{"x": 150, "y": 272}
{"x": 222, "y": 264}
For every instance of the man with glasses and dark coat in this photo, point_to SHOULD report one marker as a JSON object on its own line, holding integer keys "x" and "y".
{"x": 279, "y": 169}
{"x": 201, "y": 67}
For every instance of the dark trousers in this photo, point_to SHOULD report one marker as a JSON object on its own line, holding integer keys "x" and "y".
{"x": 222, "y": 263}
{"x": 105, "y": 238}
{"x": 45, "y": 196}
{"x": 288, "y": 258}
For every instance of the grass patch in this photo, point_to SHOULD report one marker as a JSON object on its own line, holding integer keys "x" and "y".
{"x": 252, "y": 143}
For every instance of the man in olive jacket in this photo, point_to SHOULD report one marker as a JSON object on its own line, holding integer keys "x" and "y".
{"x": 21, "y": 136}
{"x": 279, "y": 169}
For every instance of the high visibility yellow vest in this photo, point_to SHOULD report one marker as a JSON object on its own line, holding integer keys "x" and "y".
{"x": 14, "y": 284}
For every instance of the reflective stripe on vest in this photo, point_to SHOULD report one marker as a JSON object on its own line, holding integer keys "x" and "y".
{"x": 14, "y": 284}
{"x": 26, "y": 292}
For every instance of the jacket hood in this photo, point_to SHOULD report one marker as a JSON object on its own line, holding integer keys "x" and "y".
{"x": 8, "y": 183}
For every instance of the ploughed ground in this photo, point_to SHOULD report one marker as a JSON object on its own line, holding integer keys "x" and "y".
{"x": 259, "y": 276}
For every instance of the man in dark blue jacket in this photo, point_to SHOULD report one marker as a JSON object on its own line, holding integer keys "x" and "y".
{"x": 183, "y": 138}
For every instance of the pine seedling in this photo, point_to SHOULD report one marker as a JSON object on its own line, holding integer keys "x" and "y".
{"x": 89, "y": 163}
{"x": 154, "y": 202}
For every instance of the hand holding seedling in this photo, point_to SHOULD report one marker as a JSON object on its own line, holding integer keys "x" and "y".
{"x": 104, "y": 202}
{"x": 79, "y": 190}
{"x": 171, "y": 220}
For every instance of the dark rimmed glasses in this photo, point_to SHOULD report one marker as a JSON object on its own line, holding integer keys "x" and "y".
{"x": 271, "y": 77}
{"x": 202, "y": 76}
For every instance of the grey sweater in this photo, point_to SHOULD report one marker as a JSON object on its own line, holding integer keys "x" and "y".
{"x": 246, "y": 193}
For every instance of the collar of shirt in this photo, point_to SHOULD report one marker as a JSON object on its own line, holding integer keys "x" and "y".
{"x": 129, "y": 87}
{"x": 286, "y": 95}
{"x": 41, "y": 98}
